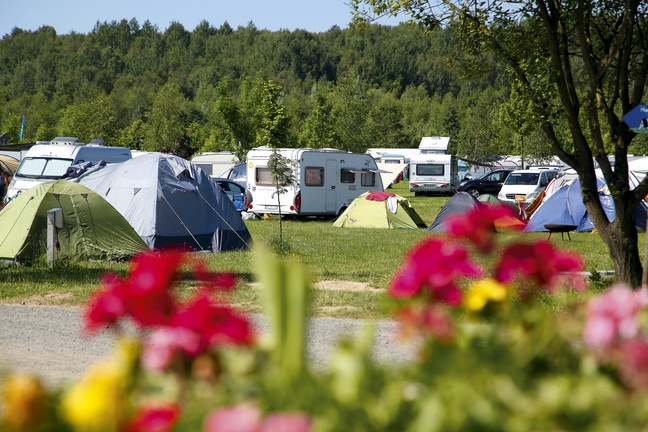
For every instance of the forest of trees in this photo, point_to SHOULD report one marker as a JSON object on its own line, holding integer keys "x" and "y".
{"x": 219, "y": 88}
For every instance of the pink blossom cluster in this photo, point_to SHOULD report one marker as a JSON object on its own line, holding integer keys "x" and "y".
{"x": 248, "y": 418}
{"x": 434, "y": 269}
{"x": 613, "y": 331}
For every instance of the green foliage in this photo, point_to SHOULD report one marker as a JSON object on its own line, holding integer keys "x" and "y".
{"x": 88, "y": 120}
{"x": 168, "y": 120}
{"x": 233, "y": 89}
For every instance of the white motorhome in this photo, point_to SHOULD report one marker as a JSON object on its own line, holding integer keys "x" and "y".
{"x": 432, "y": 170}
{"x": 326, "y": 181}
{"x": 47, "y": 162}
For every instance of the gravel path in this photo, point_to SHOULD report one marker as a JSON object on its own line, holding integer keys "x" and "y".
{"x": 47, "y": 340}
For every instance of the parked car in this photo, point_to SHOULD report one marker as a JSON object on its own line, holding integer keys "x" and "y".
{"x": 489, "y": 183}
{"x": 238, "y": 174}
{"x": 526, "y": 185}
{"x": 239, "y": 195}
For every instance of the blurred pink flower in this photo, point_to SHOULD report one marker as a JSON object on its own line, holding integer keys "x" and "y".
{"x": 154, "y": 418}
{"x": 612, "y": 316}
{"x": 165, "y": 343}
{"x": 632, "y": 360}
{"x": 240, "y": 418}
{"x": 541, "y": 264}
{"x": 436, "y": 265}
{"x": 287, "y": 422}
{"x": 427, "y": 320}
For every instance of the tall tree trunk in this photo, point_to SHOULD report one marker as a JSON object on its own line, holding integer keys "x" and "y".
{"x": 624, "y": 251}
{"x": 620, "y": 236}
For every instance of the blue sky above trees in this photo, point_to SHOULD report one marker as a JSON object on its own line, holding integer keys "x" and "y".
{"x": 81, "y": 15}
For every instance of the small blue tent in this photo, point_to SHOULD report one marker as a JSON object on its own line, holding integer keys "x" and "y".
{"x": 566, "y": 207}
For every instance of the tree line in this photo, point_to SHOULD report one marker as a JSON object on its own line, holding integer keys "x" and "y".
{"x": 220, "y": 88}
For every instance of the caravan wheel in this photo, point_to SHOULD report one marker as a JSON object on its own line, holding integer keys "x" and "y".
{"x": 342, "y": 210}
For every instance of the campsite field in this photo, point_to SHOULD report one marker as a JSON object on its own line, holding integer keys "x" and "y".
{"x": 349, "y": 267}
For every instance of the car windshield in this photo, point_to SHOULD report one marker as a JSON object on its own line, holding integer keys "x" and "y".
{"x": 522, "y": 178}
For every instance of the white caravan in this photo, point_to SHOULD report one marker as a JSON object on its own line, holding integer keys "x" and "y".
{"x": 326, "y": 181}
{"x": 434, "y": 173}
{"x": 215, "y": 164}
{"x": 433, "y": 170}
{"x": 47, "y": 162}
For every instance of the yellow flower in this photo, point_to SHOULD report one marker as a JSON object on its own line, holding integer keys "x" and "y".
{"x": 98, "y": 402}
{"x": 483, "y": 291}
{"x": 23, "y": 401}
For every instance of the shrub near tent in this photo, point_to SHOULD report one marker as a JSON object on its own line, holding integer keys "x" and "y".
{"x": 92, "y": 228}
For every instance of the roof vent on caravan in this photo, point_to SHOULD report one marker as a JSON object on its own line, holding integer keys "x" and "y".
{"x": 72, "y": 141}
{"x": 96, "y": 142}
{"x": 434, "y": 145}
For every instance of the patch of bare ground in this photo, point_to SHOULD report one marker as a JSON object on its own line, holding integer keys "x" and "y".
{"x": 52, "y": 299}
{"x": 337, "y": 285}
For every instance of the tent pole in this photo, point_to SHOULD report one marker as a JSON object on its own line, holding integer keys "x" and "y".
{"x": 54, "y": 220}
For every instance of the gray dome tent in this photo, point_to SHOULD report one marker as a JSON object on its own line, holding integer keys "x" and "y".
{"x": 170, "y": 202}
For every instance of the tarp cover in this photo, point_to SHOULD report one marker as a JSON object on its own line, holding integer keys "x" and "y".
{"x": 92, "y": 228}
{"x": 393, "y": 211}
{"x": 171, "y": 202}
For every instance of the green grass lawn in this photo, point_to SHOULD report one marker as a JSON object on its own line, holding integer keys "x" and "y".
{"x": 362, "y": 255}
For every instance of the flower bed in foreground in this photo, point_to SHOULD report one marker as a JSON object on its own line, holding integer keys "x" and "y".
{"x": 516, "y": 344}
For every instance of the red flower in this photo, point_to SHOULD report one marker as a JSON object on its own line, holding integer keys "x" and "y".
{"x": 541, "y": 264}
{"x": 478, "y": 225}
{"x": 149, "y": 300}
{"x": 154, "y": 418}
{"x": 216, "y": 324}
{"x": 212, "y": 280}
{"x": 106, "y": 306}
{"x": 436, "y": 265}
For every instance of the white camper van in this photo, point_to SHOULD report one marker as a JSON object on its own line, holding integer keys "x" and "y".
{"x": 47, "y": 162}
{"x": 326, "y": 181}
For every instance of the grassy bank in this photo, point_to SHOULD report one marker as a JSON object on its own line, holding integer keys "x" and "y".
{"x": 370, "y": 256}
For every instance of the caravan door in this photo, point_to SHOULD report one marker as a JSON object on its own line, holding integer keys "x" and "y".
{"x": 330, "y": 182}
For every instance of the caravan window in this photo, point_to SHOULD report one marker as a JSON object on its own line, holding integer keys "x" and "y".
{"x": 368, "y": 178}
{"x": 263, "y": 177}
{"x": 347, "y": 176}
{"x": 314, "y": 176}
{"x": 430, "y": 169}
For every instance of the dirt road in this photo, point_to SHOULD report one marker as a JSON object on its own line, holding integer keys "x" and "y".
{"x": 47, "y": 341}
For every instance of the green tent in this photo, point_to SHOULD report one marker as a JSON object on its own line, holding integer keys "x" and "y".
{"x": 92, "y": 228}
{"x": 380, "y": 210}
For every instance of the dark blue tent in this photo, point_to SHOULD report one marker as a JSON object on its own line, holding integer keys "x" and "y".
{"x": 460, "y": 203}
{"x": 566, "y": 207}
